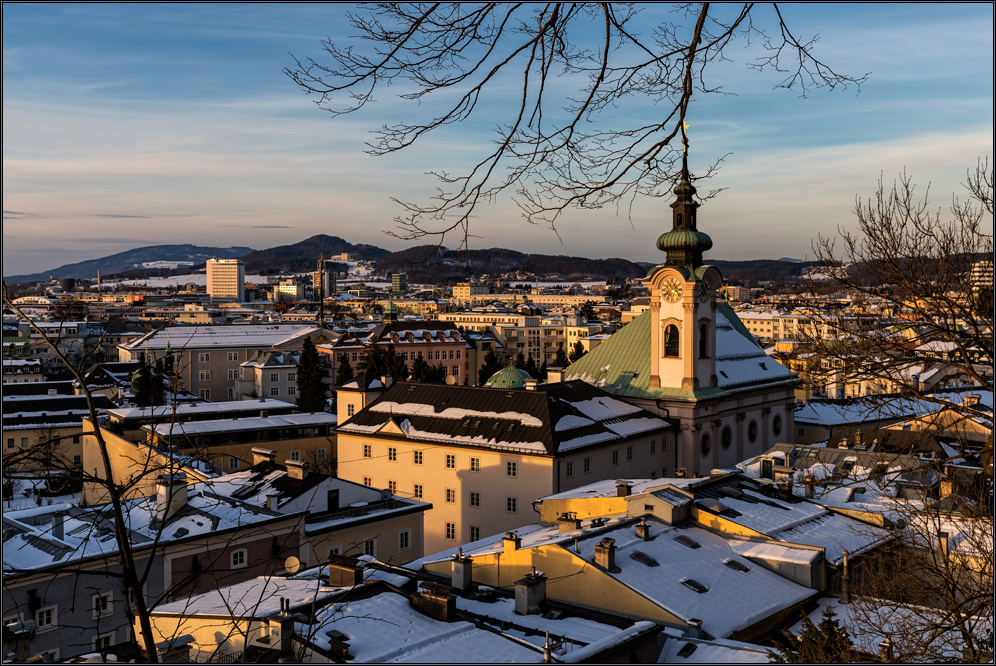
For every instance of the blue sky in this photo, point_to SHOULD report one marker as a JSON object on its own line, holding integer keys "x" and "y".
{"x": 131, "y": 125}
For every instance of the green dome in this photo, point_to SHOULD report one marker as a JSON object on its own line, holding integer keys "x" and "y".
{"x": 684, "y": 239}
{"x": 509, "y": 378}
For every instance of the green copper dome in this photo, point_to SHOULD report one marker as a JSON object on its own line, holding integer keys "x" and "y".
{"x": 684, "y": 239}
{"x": 509, "y": 378}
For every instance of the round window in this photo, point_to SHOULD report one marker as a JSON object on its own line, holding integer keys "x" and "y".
{"x": 776, "y": 424}
{"x": 726, "y": 438}
{"x": 752, "y": 431}
{"x": 705, "y": 444}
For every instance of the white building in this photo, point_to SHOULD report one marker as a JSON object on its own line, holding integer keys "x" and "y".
{"x": 226, "y": 279}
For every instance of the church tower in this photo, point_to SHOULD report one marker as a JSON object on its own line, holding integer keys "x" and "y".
{"x": 683, "y": 301}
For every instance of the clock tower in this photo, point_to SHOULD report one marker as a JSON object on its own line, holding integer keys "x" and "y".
{"x": 683, "y": 301}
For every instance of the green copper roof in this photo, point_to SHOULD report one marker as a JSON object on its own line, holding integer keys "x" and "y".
{"x": 684, "y": 239}
{"x": 509, "y": 378}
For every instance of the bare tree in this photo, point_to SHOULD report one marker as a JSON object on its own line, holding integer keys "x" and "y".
{"x": 552, "y": 150}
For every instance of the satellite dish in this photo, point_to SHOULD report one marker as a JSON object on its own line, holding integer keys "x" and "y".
{"x": 450, "y": 380}
{"x": 292, "y": 565}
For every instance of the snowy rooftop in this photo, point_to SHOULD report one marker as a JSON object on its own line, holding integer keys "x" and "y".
{"x": 717, "y": 651}
{"x": 241, "y": 424}
{"x": 185, "y": 411}
{"x": 258, "y": 336}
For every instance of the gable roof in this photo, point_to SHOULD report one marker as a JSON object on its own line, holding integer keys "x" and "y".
{"x": 555, "y": 418}
{"x": 621, "y": 364}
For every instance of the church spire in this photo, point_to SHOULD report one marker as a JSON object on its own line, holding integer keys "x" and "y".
{"x": 684, "y": 244}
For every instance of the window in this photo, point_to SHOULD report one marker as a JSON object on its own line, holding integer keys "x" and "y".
{"x": 233, "y": 374}
{"x": 47, "y": 618}
{"x": 475, "y": 499}
{"x": 370, "y": 547}
{"x": 404, "y": 540}
{"x": 455, "y": 370}
{"x": 475, "y": 533}
{"x": 726, "y": 437}
{"x": 292, "y": 376}
{"x": 231, "y": 393}
{"x": 587, "y": 465}
{"x": 475, "y": 464}
{"x": 350, "y": 409}
{"x": 458, "y": 353}
{"x": 653, "y": 447}
{"x": 570, "y": 469}
{"x": 417, "y": 493}
{"x": 393, "y": 487}
{"x": 392, "y": 454}
{"x": 615, "y": 457}
{"x": 418, "y": 457}
{"x": 274, "y": 391}
{"x": 450, "y": 461}
{"x": 239, "y": 558}
{"x": 24, "y": 442}
{"x": 511, "y": 505}
{"x": 367, "y": 451}
{"x": 450, "y": 531}
{"x": 334, "y": 550}
{"x": 103, "y": 641}
{"x": 204, "y": 357}
{"x": 705, "y": 446}
{"x": 291, "y": 390}
{"x": 321, "y": 454}
{"x": 511, "y": 469}
{"x": 629, "y": 453}
{"x": 205, "y": 393}
{"x": 233, "y": 356}
{"x": 450, "y": 496}
{"x": 671, "y": 341}
{"x": 367, "y": 481}
{"x": 204, "y": 375}
{"x": 77, "y": 460}
{"x": 295, "y": 456}
{"x": 776, "y": 425}
{"x": 752, "y": 431}
{"x": 103, "y": 605}
{"x": 233, "y": 462}
{"x": 703, "y": 340}
{"x": 10, "y": 442}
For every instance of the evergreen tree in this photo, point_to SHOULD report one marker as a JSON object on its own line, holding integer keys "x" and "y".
{"x": 531, "y": 368}
{"x": 420, "y": 370}
{"x": 395, "y": 364}
{"x": 372, "y": 361}
{"x": 588, "y": 311}
{"x": 310, "y": 370}
{"x": 825, "y": 643}
{"x": 561, "y": 361}
{"x": 490, "y": 366}
{"x": 542, "y": 372}
{"x": 344, "y": 374}
{"x": 157, "y": 395}
{"x": 520, "y": 361}
{"x": 577, "y": 351}
{"x": 141, "y": 382}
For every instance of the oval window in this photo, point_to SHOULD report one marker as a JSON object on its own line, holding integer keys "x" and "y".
{"x": 726, "y": 438}
{"x": 776, "y": 424}
{"x": 706, "y": 446}
{"x": 752, "y": 431}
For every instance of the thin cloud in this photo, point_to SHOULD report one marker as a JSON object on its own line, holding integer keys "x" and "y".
{"x": 18, "y": 215}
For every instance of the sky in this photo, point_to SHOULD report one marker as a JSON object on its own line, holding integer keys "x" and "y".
{"x": 134, "y": 125}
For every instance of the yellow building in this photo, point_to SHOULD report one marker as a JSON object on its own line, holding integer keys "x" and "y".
{"x": 482, "y": 456}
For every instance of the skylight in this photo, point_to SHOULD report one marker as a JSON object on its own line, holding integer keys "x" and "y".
{"x": 687, "y": 541}
{"x": 695, "y": 585}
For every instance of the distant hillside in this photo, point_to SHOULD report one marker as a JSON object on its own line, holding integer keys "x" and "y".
{"x": 302, "y": 256}
{"x": 761, "y": 270}
{"x": 131, "y": 260}
{"x": 427, "y": 264}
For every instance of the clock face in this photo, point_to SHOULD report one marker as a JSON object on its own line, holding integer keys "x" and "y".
{"x": 671, "y": 290}
{"x": 704, "y": 291}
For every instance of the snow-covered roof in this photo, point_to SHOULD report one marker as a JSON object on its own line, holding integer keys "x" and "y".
{"x": 717, "y": 651}
{"x": 179, "y": 338}
{"x": 186, "y": 411}
{"x": 241, "y": 424}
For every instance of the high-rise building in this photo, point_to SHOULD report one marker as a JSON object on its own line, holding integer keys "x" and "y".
{"x": 399, "y": 283}
{"x": 226, "y": 279}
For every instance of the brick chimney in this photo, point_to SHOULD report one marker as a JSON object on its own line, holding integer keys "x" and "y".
{"x": 605, "y": 553}
{"x": 345, "y": 571}
{"x": 530, "y": 593}
{"x": 643, "y": 530}
{"x": 512, "y": 542}
{"x": 568, "y": 522}
{"x": 436, "y": 601}
{"x": 261, "y": 455}
{"x": 810, "y": 482}
{"x": 296, "y": 469}
{"x": 624, "y": 488}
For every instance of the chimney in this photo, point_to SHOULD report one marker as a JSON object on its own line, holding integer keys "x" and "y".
{"x": 463, "y": 569}
{"x": 171, "y": 495}
{"x": 437, "y": 601}
{"x": 296, "y": 469}
{"x": 942, "y": 543}
{"x": 643, "y": 530}
{"x": 261, "y": 455}
{"x": 972, "y": 400}
{"x": 605, "y": 553}
{"x": 568, "y": 522}
{"x": 624, "y": 489}
{"x": 512, "y": 542}
{"x": 694, "y": 627}
{"x": 885, "y": 651}
{"x": 54, "y": 392}
{"x": 785, "y": 489}
{"x": 58, "y": 526}
{"x": 842, "y": 444}
{"x": 810, "y": 482}
{"x": 531, "y": 384}
{"x": 345, "y": 571}
{"x": 530, "y": 593}
{"x": 554, "y": 375}
{"x": 387, "y": 380}
{"x": 272, "y": 502}
{"x": 845, "y": 593}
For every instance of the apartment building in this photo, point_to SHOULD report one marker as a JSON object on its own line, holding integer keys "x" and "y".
{"x": 226, "y": 279}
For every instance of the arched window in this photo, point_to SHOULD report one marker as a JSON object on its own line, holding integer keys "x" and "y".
{"x": 679, "y": 221}
{"x": 703, "y": 340}
{"x": 671, "y": 341}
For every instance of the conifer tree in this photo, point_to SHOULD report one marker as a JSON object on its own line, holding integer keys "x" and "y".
{"x": 825, "y": 643}
{"x": 561, "y": 361}
{"x": 344, "y": 374}
{"x": 490, "y": 366}
{"x": 310, "y": 389}
{"x": 520, "y": 361}
{"x": 531, "y": 368}
{"x": 577, "y": 351}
